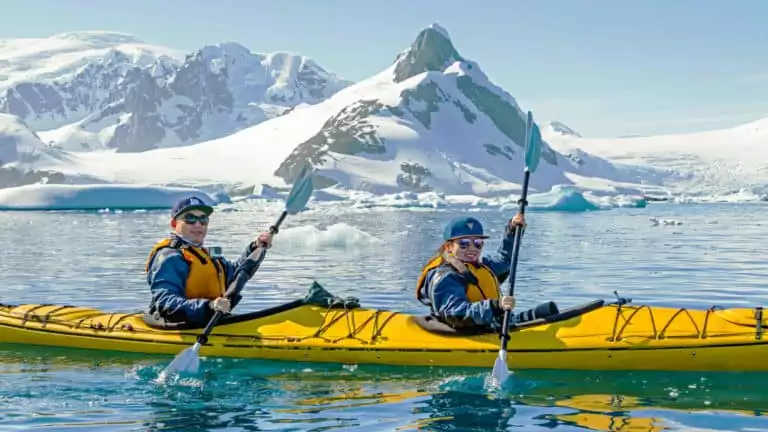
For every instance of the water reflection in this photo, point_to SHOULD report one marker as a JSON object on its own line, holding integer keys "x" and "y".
{"x": 71, "y": 389}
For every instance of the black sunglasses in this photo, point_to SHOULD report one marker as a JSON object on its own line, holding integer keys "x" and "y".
{"x": 464, "y": 243}
{"x": 191, "y": 219}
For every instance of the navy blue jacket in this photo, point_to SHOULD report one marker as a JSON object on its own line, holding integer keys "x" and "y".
{"x": 167, "y": 277}
{"x": 446, "y": 289}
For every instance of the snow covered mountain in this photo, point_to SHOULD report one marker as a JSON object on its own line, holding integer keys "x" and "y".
{"x": 50, "y": 82}
{"x": 96, "y": 90}
{"x": 432, "y": 121}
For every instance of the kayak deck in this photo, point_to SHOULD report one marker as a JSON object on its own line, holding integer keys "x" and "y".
{"x": 592, "y": 336}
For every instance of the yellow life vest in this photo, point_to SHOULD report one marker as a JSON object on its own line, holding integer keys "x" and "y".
{"x": 206, "y": 279}
{"x": 487, "y": 286}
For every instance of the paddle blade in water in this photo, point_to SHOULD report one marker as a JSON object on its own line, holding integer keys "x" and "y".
{"x": 500, "y": 372}
{"x": 533, "y": 147}
{"x": 300, "y": 192}
{"x": 187, "y": 361}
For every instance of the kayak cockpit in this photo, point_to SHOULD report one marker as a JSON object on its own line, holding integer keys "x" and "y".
{"x": 547, "y": 313}
{"x": 158, "y": 323}
{"x": 317, "y": 296}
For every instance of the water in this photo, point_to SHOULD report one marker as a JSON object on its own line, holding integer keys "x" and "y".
{"x": 96, "y": 259}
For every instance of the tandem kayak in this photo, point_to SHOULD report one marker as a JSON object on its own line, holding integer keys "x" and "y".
{"x": 320, "y": 327}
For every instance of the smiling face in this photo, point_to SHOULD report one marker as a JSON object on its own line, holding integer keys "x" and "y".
{"x": 193, "y": 225}
{"x": 467, "y": 249}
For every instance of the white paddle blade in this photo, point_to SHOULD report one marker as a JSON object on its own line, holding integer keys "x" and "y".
{"x": 500, "y": 372}
{"x": 187, "y": 361}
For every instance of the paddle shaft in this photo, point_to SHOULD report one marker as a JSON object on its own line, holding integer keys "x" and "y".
{"x": 252, "y": 263}
{"x": 515, "y": 254}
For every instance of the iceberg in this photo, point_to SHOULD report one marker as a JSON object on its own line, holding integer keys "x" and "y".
{"x": 570, "y": 199}
{"x": 43, "y": 197}
{"x": 561, "y": 198}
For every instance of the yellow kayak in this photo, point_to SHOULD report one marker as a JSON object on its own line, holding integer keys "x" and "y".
{"x": 598, "y": 335}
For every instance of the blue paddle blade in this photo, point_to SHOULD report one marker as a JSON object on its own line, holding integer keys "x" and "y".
{"x": 300, "y": 192}
{"x": 533, "y": 148}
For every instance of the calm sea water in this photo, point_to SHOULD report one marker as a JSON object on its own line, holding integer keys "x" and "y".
{"x": 712, "y": 254}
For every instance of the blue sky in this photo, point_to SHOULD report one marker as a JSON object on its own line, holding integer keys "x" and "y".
{"x": 605, "y": 68}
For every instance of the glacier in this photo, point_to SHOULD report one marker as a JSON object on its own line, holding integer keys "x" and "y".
{"x": 701, "y": 166}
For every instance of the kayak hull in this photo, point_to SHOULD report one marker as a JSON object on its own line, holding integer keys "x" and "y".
{"x": 595, "y": 336}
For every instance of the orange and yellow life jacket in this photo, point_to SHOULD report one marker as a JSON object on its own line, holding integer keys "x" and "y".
{"x": 206, "y": 279}
{"x": 482, "y": 282}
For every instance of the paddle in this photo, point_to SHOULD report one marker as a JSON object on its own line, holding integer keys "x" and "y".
{"x": 188, "y": 360}
{"x": 532, "y": 155}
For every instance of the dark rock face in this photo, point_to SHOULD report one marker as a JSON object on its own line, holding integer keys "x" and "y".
{"x": 431, "y": 51}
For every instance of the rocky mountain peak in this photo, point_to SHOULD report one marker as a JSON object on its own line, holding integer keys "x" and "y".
{"x": 431, "y": 51}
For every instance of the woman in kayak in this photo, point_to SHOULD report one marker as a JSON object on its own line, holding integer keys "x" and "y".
{"x": 186, "y": 282}
{"x": 461, "y": 286}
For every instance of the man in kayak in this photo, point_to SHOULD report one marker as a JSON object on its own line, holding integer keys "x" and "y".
{"x": 461, "y": 286}
{"x": 186, "y": 282}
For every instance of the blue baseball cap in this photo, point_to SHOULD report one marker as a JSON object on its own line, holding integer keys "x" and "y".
{"x": 190, "y": 203}
{"x": 464, "y": 226}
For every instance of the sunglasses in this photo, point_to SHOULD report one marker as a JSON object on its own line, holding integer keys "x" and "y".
{"x": 191, "y": 219}
{"x": 464, "y": 243}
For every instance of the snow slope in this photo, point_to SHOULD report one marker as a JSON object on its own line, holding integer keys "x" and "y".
{"x": 432, "y": 121}
{"x": 19, "y": 146}
{"x": 60, "y": 56}
{"x": 717, "y": 162}
{"x": 17, "y": 142}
